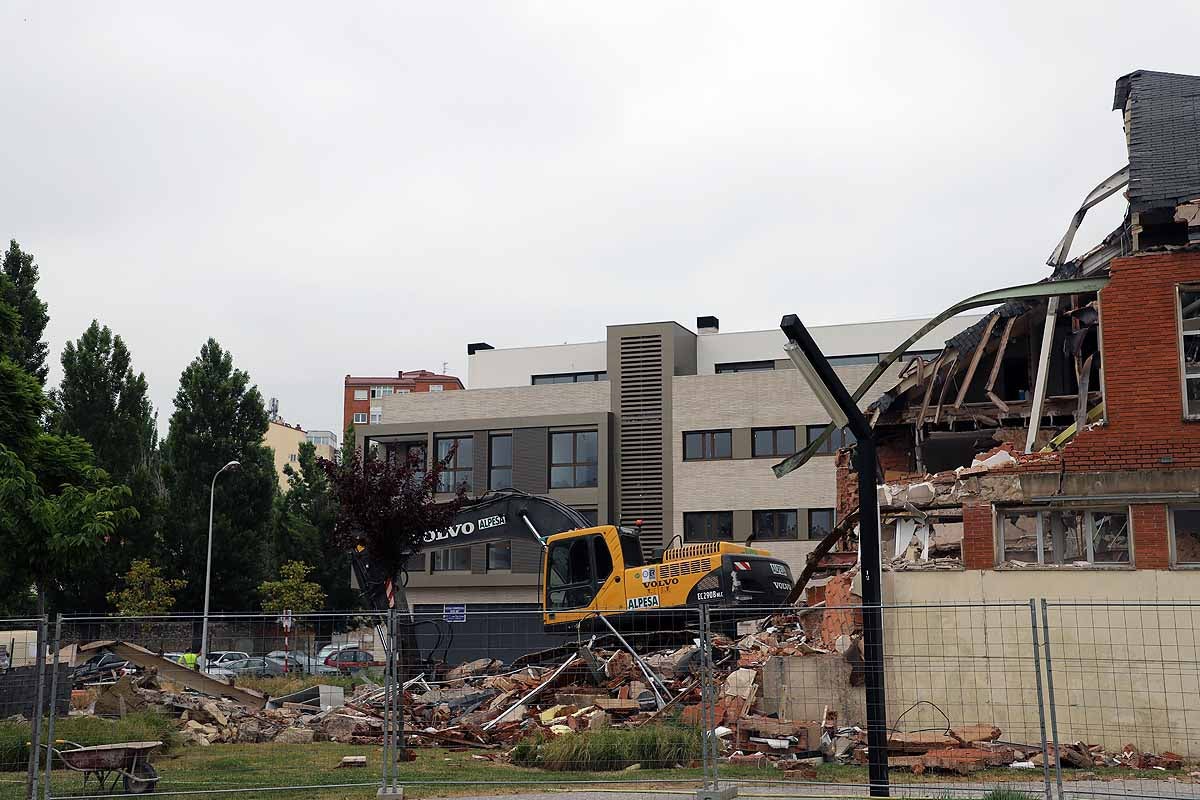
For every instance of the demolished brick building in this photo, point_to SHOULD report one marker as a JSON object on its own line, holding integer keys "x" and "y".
{"x": 1064, "y": 431}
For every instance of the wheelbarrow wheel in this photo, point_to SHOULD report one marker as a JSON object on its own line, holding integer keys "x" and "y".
{"x": 142, "y": 779}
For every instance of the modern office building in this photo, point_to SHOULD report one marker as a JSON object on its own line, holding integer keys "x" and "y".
{"x": 656, "y": 422}
{"x": 362, "y": 394}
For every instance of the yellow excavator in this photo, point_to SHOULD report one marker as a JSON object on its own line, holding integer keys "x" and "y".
{"x": 591, "y": 572}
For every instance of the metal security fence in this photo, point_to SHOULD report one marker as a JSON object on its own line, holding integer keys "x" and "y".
{"x": 1041, "y": 698}
{"x": 1125, "y": 697}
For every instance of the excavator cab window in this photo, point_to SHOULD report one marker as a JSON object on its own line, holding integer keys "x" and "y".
{"x": 577, "y": 569}
{"x": 631, "y": 550}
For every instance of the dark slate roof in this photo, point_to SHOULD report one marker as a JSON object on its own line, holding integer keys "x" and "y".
{"x": 1164, "y": 137}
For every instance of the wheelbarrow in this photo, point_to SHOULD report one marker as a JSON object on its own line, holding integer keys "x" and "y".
{"x": 128, "y": 762}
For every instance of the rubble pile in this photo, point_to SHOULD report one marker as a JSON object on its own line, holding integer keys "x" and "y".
{"x": 485, "y": 705}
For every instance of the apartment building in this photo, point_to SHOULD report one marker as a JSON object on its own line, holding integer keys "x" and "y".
{"x": 361, "y": 395}
{"x": 284, "y": 440}
{"x": 657, "y": 422}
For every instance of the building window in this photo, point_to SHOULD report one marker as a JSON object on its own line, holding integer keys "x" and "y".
{"x": 360, "y": 394}
{"x": 853, "y": 361}
{"x": 773, "y": 442}
{"x": 1185, "y": 535}
{"x": 292, "y": 457}
{"x": 360, "y": 418}
{"x": 499, "y": 556}
{"x": 455, "y": 453}
{"x": 841, "y": 437}
{"x": 776, "y": 524}
{"x": 500, "y": 461}
{"x": 707, "y": 526}
{"x": 435, "y": 387}
{"x": 574, "y": 459}
{"x": 403, "y": 391}
{"x": 1063, "y": 536}
{"x": 1189, "y": 328}
{"x": 376, "y": 415}
{"x": 820, "y": 522}
{"x": 569, "y": 377}
{"x": 381, "y": 391}
{"x": 412, "y": 452}
{"x": 707, "y": 445}
{"x": 588, "y": 514}
{"x": 745, "y": 366}
{"x": 455, "y": 559}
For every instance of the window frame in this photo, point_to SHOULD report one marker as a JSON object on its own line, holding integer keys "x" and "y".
{"x": 354, "y": 419}
{"x": 487, "y": 556}
{"x": 808, "y": 517}
{"x": 493, "y": 467}
{"x": 456, "y": 454}
{"x": 734, "y": 367}
{"x": 376, "y": 415}
{"x": 1089, "y": 520}
{"x": 1171, "y": 533}
{"x": 595, "y": 377}
{"x": 712, "y": 515}
{"x": 444, "y": 551}
{"x": 845, "y": 436}
{"x": 708, "y": 437}
{"x": 775, "y": 517}
{"x": 574, "y": 464}
{"x": 383, "y": 390}
{"x": 774, "y": 431}
{"x": 1189, "y": 415}
{"x": 362, "y": 394}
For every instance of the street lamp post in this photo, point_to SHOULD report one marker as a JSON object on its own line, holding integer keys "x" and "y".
{"x": 208, "y": 564}
{"x": 828, "y": 387}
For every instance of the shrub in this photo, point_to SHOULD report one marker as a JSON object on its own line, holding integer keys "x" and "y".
{"x": 608, "y": 749}
{"x": 1006, "y": 794}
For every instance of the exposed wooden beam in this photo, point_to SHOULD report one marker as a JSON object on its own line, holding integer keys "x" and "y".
{"x": 937, "y": 414}
{"x": 975, "y": 359}
{"x": 937, "y": 363}
{"x": 1043, "y": 372}
{"x": 1004, "y": 336}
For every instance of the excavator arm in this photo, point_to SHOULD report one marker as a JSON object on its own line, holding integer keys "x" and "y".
{"x": 502, "y": 515}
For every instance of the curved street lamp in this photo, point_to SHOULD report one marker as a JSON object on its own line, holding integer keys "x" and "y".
{"x": 208, "y": 566}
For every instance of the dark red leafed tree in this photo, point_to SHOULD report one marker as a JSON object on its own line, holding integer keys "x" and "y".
{"x": 387, "y": 504}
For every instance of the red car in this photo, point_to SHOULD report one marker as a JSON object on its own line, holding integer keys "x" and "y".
{"x": 351, "y": 659}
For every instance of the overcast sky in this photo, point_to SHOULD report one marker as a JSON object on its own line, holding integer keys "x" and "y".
{"x": 332, "y": 188}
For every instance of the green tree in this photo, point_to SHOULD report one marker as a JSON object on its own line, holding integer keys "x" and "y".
{"x": 145, "y": 592}
{"x": 348, "y": 445}
{"x": 292, "y": 592}
{"x": 19, "y": 291}
{"x": 102, "y": 400}
{"x": 305, "y": 517}
{"x": 219, "y": 416}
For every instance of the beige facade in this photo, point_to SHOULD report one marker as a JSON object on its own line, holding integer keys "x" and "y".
{"x": 284, "y": 440}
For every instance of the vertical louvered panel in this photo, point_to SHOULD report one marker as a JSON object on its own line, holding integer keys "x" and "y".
{"x": 531, "y": 460}
{"x": 479, "y": 469}
{"x": 640, "y": 434}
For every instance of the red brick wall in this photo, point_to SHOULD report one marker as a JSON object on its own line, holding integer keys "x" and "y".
{"x": 1151, "y": 548}
{"x": 1143, "y": 397}
{"x": 979, "y": 543}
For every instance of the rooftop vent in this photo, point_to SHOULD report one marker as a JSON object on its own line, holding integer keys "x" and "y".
{"x": 475, "y": 347}
{"x": 708, "y": 325}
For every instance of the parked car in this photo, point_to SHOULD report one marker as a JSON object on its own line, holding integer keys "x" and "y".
{"x": 218, "y": 658}
{"x": 251, "y": 666}
{"x": 298, "y": 662}
{"x": 349, "y": 660}
{"x": 102, "y": 666}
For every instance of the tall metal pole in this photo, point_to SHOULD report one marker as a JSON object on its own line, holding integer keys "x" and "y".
{"x": 212, "y": 491}
{"x": 832, "y": 394}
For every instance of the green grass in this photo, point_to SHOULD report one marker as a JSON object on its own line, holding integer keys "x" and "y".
{"x": 140, "y": 727}
{"x": 652, "y": 747}
{"x": 1006, "y": 794}
{"x": 280, "y": 685}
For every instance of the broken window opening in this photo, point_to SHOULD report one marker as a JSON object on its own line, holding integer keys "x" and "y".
{"x": 1065, "y": 537}
{"x": 1185, "y": 535}
{"x": 1189, "y": 349}
{"x": 1158, "y": 227}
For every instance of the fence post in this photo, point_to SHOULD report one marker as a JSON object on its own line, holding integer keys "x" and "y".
{"x": 393, "y": 716}
{"x": 53, "y": 705}
{"x": 1037, "y": 671}
{"x": 1050, "y": 692}
{"x": 35, "y": 716}
{"x": 710, "y": 743}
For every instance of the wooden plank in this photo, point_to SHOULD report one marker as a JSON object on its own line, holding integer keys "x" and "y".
{"x": 937, "y": 363}
{"x": 937, "y": 414}
{"x": 975, "y": 359}
{"x": 1003, "y": 346}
